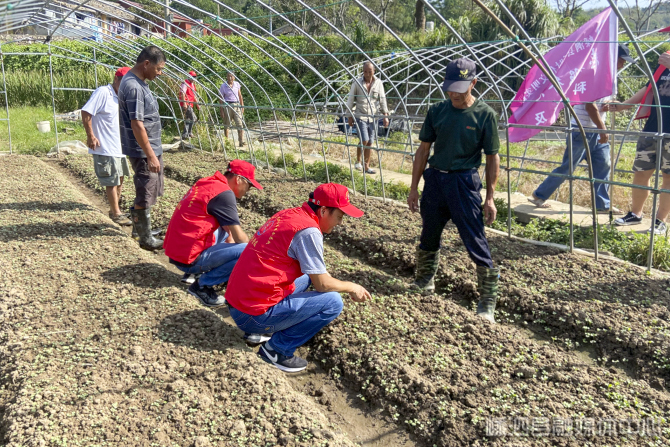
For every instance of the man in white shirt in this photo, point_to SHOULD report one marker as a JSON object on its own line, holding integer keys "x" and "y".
{"x": 100, "y": 117}
{"x": 366, "y": 92}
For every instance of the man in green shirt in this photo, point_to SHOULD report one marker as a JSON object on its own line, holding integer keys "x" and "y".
{"x": 461, "y": 128}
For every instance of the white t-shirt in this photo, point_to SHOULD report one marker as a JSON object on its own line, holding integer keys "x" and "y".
{"x": 584, "y": 118}
{"x": 103, "y": 105}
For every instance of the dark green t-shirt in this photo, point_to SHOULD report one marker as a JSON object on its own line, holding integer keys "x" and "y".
{"x": 460, "y": 135}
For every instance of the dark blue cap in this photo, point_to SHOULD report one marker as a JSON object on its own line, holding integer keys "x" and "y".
{"x": 459, "y": 75}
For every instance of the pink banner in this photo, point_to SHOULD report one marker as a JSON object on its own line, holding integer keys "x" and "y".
{"x": 585, "y": 65}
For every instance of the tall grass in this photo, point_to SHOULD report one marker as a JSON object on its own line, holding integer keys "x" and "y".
{"x": 33, "y": 88}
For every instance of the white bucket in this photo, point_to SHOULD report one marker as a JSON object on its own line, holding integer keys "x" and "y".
{"x": 44, "y": 126}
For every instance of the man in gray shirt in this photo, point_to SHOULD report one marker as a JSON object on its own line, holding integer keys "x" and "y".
{"x": 140, "y": 125}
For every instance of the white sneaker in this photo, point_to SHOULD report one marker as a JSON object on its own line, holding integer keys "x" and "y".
{"x": 660, "y": 228}
{"x": 358, "y": 166}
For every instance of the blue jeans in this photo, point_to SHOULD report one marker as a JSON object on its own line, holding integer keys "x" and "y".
{"x": 454, "y": 196}
{"x": 600, "y": 158}
{"x": 294, "y": 320}
{"x": 215, "y": 264}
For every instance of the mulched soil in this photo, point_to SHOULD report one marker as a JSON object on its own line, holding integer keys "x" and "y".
{"x": 440, "y": 371}
{"x": 102, "y": 346}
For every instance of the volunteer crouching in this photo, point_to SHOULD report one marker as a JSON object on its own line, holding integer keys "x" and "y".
{"x": 267, "y": 289}
{"x": 204, "y": 237}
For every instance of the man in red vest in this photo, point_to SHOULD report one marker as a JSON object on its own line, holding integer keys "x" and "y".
{"x": 267, "y": 294}
{"x": 187, "y": 95}
{"x": 204, "y": 236}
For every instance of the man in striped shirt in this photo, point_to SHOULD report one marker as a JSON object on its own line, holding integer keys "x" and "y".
{"x": 592, "y": 116}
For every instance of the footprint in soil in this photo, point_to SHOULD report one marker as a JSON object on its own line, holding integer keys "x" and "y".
{"x": 143, "y": 275}
{"x": 200, "y": 329}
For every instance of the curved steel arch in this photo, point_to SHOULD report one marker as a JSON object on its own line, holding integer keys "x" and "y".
{"x": 407, "y": 71}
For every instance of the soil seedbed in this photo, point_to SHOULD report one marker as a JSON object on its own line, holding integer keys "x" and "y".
{"x": 102, "y": 346}
{"x": 370, "y": 429}
{"x": 442, "y": 371}
{"x": 607, "y": 307}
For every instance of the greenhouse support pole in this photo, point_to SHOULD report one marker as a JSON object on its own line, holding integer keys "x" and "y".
{"x": 4, "y": 89}
{"x": 509, "y": 186}
{"x": 95, "y": 68}
{"x": 53, "y": 100}
{"x": 571, "y": 181}
{"x": 611, "y": 187}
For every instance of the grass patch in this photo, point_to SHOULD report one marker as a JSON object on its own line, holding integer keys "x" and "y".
{"x": 631, "y": 247}
{"x": 336, "y": 174}
{"x": 25, "y": 137}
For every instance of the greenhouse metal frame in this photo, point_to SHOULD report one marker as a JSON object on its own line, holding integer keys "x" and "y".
{"x": 412, "y": 78}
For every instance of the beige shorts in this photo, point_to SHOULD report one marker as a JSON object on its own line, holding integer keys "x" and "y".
{"x": 232, "y": 112}
{"x": 109, "y": 170}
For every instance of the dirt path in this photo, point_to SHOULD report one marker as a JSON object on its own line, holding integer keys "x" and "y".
{"x": 362, "y": 424}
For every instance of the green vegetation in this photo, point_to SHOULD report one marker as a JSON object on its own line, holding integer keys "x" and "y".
{"x": 336, "y": 173}
{"x": 25, "y": 137}
{"x": 631, "y": 247}
{"x": 33, "y": 87}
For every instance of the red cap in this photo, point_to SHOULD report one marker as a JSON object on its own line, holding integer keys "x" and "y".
{"x": 121, "y": 72}
{"x": 336, "y": 196}
{"x": 244, "y": 169}
{"x": 192, "y": 73}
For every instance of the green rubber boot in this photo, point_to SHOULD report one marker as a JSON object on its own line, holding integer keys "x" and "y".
{"x": 426, "y": 267}
{"x": 487, "y": 284}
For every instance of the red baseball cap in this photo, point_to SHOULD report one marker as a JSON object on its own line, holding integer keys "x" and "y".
{"x": 244, "y": 169}
{"x": 336, "y": 196}
{"x": 192, "y": 73}
{"x": 121, "y": 72}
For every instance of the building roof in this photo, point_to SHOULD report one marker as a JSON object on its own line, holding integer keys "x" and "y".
{"x": 96, "y": 7}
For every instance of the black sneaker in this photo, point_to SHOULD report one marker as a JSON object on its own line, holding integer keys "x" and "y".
{"x": 206, "y": 295}
{"x": 254, "y": 340}
{"x": 286, "y": 364}
{"x": 188, "y": 278}
{"x": 628, "y": 219}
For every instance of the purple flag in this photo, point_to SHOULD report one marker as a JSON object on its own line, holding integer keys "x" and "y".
{"x": 585, "y": 65}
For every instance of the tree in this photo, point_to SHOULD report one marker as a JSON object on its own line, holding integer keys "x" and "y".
{"x": 639, "y": 12}
{"x": 567, "y": 8}
{"x": 420, "y": 16}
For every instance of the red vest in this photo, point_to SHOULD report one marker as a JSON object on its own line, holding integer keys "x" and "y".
{"x": 190, "y": 94}
{"x": 264, "y": 274}
{"x": 191, "y": 228}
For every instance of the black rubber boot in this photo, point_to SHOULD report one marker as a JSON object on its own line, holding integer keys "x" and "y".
{"x": 426, "y": 268}
{"x": 487, "y": 284}
{"x": 142, "y": 224}
{"x": 154, "y": 233}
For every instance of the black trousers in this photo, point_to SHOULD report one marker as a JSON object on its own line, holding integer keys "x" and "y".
{"x": 454, "y": 196}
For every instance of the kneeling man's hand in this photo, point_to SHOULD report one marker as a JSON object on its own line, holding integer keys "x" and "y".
{"x": 359, "y": 294}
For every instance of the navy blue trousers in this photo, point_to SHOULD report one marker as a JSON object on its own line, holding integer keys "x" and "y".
{"x": 454, "y": 196}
